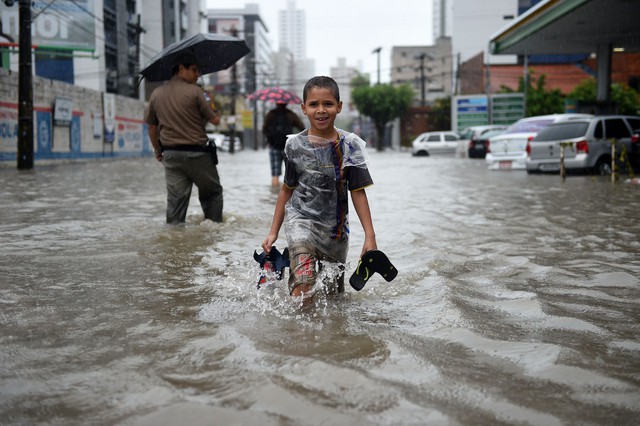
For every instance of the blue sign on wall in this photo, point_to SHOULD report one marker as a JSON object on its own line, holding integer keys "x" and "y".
{"x": 44, "y": 133}
{"x": 75, "y": 136}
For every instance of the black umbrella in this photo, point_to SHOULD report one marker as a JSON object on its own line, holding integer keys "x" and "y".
{"x": 214, "y": 52}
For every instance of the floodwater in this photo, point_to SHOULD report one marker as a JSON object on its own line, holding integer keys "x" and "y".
{"x": 517, "y": 302}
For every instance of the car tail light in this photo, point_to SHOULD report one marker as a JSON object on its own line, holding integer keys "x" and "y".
{"x": 487, "y": 144}
{"x": 635, "y": 138}
{"x": 528, "y": 148}
{"x": 470, "y": 144}
{"x": 582, "y": 146}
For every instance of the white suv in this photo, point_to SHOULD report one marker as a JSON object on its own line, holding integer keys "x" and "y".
{"x": 508, "y": 150}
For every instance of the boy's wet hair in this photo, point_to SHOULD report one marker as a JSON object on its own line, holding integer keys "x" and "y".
{"x": 321, "y": 82}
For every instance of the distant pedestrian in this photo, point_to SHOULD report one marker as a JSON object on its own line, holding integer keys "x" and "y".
{"x": 279, "y": 123}
{"x": 322, "y": 165}
{"x": 177, "y": 114}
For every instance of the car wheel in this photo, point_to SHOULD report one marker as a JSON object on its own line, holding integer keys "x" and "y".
{"x": 603, "y": 166}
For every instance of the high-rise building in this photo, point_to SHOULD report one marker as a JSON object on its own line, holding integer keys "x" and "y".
{"x": 101, "y": 44}
{"x": 473, "y": 24}
{"x": 343, "y": 74}
{"x": 256, "y": 69}
{"x": 293, "y": 68}
{"x": 427, "y": 69}
{"x": 442, "y": 18}
{"x": 292, "y": 30}
{"x": 175, "y": 20}
{"x": 67, "y": 39}
{"x": 253, "y": 72}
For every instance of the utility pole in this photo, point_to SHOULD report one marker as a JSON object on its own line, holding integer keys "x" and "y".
{"x": 422, "y": 58}
{"x": 377, "y": 50}
{"x": 253, "y": 83}
{"x": 234, "y": 93}
{"x": 525, "y": 79}
{"x": 457, "y": 74}
{"x": 138, "y": 29}
{"x": 25, "y": 88}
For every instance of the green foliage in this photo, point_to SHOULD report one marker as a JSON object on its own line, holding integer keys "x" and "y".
{"x": 382, "y": 103}
{"x": 624, "y": 97}
{"x": 359, "y": 81}
{"x": 585, "y": 91}
{"x": 539, "y": 101}
{"x": 440, "y": 117}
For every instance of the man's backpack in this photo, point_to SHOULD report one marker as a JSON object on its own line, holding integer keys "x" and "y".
{"x": 281, "y": 126}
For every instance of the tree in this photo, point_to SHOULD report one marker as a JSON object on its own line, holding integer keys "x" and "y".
{"x": 382, "y": 103}
{"x": 539, "y": 101}
{"x": 441, "y": 114}
{"x": 626, "y": 99}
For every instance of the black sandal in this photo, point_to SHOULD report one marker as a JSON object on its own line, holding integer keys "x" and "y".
{"x": 371, "y": 262}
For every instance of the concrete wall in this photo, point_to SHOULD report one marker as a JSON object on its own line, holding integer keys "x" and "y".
{"x": 85, "y": 137}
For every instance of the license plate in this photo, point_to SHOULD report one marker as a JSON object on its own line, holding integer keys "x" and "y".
{"x": 550, "y": 167}
{"x": 505, "y": 165}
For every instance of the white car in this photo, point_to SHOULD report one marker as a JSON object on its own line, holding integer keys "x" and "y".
{"x": 435, "y": 143}
{"x": 223, "y": 141}
{"x": 509, "y": 150}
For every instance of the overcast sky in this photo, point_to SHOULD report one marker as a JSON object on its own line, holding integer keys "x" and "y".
{"x": 351, "y": 29}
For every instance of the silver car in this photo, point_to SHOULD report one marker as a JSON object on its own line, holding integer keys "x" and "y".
{"x": 586, "y": 144}
{"x": 508, "y": 150}
{"x": 435, "y": 143}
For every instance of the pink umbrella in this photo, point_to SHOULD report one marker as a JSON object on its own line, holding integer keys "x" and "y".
{"x": 275, "y": 94}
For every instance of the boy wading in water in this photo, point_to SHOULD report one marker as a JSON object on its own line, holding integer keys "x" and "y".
{"x": 322, "y": 165}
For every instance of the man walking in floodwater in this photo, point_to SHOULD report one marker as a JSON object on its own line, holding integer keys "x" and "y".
{"x": 177, "y": 114}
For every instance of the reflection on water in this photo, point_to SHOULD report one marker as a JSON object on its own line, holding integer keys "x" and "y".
{"x": 517, "y": 302}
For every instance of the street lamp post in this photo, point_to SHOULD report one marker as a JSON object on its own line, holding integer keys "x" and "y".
{"x": 377, "y": 51}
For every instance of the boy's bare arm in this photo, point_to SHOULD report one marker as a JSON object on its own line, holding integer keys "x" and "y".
{"x": 361, "y": 204}
{"x": 278, "y": 218}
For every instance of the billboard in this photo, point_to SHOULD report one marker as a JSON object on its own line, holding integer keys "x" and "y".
{"x": 479, "y": 110}
{"x": 61, "y": 24}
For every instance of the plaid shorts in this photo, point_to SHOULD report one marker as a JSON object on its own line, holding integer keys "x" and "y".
{"x": 276, "y": 157}
{"x": 303, "y": 270}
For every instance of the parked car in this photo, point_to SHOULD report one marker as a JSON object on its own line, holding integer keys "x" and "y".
{"x": 480, "y": 146}
{"x": 634, "y": 155}
{"x": 223, "y": 141}
{"x": 435, "y": 143}
{"x": 485, "y": 141}
{"x": 508, "y": 150}
{"x": 587, "y": 146}
{"x": 471, "y": 137}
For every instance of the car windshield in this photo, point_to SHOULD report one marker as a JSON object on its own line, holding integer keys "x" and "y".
{"x": 569, "y": 130}
{"x": 491, "y": 133}
{"x": 466, "y": 134}
{"x": 529, "y": 126}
